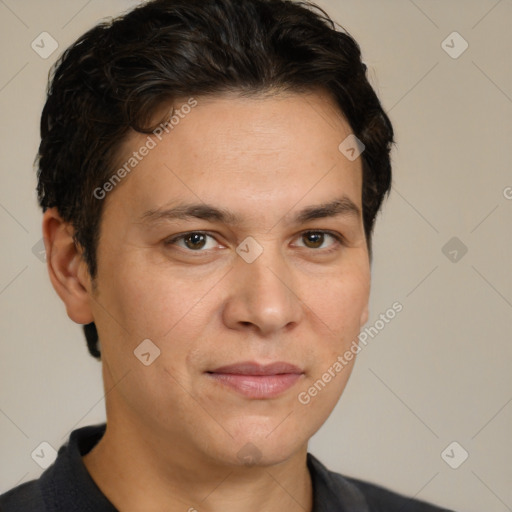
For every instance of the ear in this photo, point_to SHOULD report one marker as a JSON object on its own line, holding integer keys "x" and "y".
{"x": 68, "y": 271}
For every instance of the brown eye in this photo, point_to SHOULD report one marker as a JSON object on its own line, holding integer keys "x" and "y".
{"x": 313, "y": 239}
{"x": 194, "y": 240}
{"x": 321, "y": 241}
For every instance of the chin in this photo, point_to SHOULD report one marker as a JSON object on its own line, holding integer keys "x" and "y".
{"x": 263, "y": 447}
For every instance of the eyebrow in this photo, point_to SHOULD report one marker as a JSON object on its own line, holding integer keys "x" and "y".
{"x": 343, "y": 206}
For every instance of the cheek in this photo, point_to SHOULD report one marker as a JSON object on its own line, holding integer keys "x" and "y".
{"x": 321, "y": 391}
{"x": 166, "y": 309}
{"x": 150, "y": 301}
{"x": 338, "y": 300}
{"x": 339, "y": 303}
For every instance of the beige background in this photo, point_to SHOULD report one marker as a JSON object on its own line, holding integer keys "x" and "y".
{"x": 437, "y": 373}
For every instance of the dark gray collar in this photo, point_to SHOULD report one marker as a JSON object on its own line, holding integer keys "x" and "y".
{"x": 68, "y": 481}
{"x": 332, "y": 492}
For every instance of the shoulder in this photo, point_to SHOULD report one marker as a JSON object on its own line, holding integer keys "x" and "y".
{"x": 380, "y": 499}
{"x": 333, "y": 491}
{"x": 65, "y": 485}
{"x": 23, "y": 498}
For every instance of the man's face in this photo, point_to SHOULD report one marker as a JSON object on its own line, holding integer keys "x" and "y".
{"x": 291, "y": 293}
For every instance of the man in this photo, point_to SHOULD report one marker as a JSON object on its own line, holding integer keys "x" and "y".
{"x": 210, "y": 172}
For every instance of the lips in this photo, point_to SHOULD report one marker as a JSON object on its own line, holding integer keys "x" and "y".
{"x": 250, "y": 368}
{"x": 255, "y": 380}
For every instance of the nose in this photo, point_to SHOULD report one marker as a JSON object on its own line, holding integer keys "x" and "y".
{"x": 263, "y": 295}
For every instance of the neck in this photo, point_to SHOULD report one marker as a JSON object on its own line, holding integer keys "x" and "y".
{"x": 138, "y": 471}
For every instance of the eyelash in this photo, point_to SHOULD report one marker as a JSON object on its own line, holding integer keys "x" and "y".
{"x": 340, "y": 239}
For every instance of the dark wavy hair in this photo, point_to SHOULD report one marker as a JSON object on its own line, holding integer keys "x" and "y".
{"x": 116, "y": 76}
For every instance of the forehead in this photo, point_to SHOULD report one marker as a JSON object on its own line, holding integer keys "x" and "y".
{"x": 265, "y": 151}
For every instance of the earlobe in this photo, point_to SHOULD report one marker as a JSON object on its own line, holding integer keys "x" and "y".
{"x": 66, "y": 267}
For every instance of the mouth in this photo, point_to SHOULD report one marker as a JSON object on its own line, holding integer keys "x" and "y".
{"x": 257, "y": 381}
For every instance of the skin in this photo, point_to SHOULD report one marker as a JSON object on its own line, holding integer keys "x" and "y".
{"x": 173, "y": 433}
